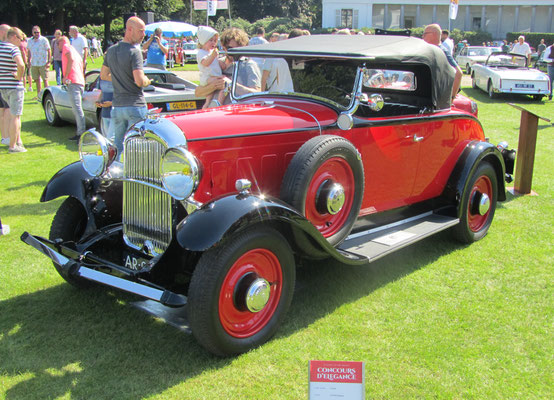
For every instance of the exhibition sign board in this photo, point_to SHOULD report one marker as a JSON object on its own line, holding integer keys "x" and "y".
{"x": 216, "y": 4}
{"x": 336, "y": 380}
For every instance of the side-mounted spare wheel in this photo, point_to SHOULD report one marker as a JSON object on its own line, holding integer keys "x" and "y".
{"x": 325, "y": 182}
{"x": 241, "y": 290}
{"x": 478, "y": 204}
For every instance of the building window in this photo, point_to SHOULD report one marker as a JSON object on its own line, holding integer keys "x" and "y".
{"x": 346, "y": 18}
{"x": 476, "y": 23}
{"x": 408, "y": 22}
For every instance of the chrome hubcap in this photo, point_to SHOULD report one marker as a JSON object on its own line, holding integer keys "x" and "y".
{"x": 257, "y": 295}
{"x": 484, "y": 204}
{"x": 330, "y": 198}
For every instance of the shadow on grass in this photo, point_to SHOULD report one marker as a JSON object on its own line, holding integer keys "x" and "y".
{"x": 64, "y": 340}
{"x": 28, "y": 209}
{"x": 54, "y": 134}
{"x": 40, "y": 184}
{"x": 93, "y": 345}
{"x": 324, "y": 286}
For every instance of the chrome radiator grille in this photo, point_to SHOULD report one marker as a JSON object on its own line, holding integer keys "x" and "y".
{"x": 146, "y": 209}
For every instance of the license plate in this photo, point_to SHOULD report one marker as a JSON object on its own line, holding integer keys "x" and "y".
{"x": 181, "y": 105}
{"x": 134, "y": 262}
{"x": 525, "y": 85}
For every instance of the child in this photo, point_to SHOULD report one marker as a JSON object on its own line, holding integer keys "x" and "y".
{"x": 208, "y": 62}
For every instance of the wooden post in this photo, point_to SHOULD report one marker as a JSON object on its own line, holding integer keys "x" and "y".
{"x": 526, "y": 150}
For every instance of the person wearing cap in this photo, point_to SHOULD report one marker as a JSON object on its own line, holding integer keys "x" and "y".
{"x": 208, "y": 61}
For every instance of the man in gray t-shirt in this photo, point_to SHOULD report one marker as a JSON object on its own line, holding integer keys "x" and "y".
{"x": 123, "y": 66}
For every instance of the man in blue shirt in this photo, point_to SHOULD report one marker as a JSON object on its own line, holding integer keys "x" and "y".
{"x": 157, "y": 50}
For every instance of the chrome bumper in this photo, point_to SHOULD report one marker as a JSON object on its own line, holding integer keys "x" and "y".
{"x": 75, "y": 267}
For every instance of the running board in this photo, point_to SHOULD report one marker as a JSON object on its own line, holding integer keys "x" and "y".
{"x": 374, "y": 244}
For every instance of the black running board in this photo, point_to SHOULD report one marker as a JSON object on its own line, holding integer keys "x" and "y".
{"x": 376, "y": 243}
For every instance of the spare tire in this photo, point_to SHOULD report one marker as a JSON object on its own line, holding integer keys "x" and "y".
{"x": 325, "y": 183}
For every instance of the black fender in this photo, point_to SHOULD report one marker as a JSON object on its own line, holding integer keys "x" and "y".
{"x": 71, "y": 180}
{"x": 474, "y": 153}
{"x": 213, "y": 223}
{"x": 101, "y": 199}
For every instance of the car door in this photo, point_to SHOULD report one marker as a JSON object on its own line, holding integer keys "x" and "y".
{"x": 390, "y": 156}
{"x": 91, "y": 95}
{"x": 462, "y": 57}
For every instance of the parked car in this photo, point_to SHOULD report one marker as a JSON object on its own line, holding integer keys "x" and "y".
{"x": 190, "y": 50}
{"x": 212, "y": 210}
{"x": 509, "y": 73}
{"x": 168, "y": 92}
{"x": 473, "y": 54}
{"x": 542, "y": 64}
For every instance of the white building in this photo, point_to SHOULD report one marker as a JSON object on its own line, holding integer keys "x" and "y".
{"x": 494, "y": 16}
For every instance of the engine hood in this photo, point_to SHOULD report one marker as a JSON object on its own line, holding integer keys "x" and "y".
{"x": 253, "y": 117}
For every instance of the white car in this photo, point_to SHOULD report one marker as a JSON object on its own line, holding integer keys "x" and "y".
{"x": 509, "y": 73}
{"x": 190, "y": 50}
{"x": 472, "y": 55}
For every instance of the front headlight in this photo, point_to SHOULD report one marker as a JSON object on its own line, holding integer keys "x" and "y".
{"x": 180, "y": 172}
{"x": 96, "y": 152}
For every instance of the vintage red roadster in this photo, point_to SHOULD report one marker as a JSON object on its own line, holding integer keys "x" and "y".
{"x": 211, "y": 210}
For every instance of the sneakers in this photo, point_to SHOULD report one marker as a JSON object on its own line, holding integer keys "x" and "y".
{"x": 18, "y": 149}
{"x": 76, "y": 138}
{"x": 6, "y": 141}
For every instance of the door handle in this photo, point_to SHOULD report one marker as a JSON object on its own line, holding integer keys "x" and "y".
{"x": 417, "y": 138}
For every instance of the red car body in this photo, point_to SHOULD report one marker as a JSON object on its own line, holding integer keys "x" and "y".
{"x": 210, "y": 210}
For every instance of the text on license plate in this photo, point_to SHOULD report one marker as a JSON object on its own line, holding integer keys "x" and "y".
{"x": 135, "y": 263}
{"x": 181, "y": 105}
{"x": 525, "y": 85}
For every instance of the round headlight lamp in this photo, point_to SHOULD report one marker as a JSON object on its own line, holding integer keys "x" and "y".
{"x": 180, "y": 172}
{"x": 96, "y": 152}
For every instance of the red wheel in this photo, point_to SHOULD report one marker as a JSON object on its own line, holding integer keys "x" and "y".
{"x": 330, "y": 196}
{"x": 325, "y": 182}
{"x": 240, "y": 291}
{"x": 250, "y": 293}
{"x": 478, "y": 204}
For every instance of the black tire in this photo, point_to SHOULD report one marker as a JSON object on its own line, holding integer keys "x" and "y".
{"x": 490, "y": 92}
{"x": 69, "y": 224}
{"x": 537, "y": 97}
{"x": 50, "y": 111}
{"x": 304, "y": 186}
{"x": 217, "y": 311}
{"x": 474, "y": 223}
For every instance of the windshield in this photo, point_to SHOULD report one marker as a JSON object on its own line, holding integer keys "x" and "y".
{"x": 507, "y": 60}
{"x": 481, "y": 51}
{"x": 331, "y": 80}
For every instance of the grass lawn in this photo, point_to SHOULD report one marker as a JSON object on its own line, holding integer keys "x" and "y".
{"x": 436, "y": 320}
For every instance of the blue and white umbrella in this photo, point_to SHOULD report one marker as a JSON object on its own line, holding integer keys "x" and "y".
{"x": 172, "y": 28}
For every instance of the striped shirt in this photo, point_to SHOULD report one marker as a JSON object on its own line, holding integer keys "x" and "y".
{"x": 8, "y": 53}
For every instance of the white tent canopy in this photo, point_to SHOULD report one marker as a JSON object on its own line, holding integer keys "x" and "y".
{"x": 172, "y": 28}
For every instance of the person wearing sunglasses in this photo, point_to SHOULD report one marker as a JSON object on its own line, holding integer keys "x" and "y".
{"x": 40, "y": 54}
